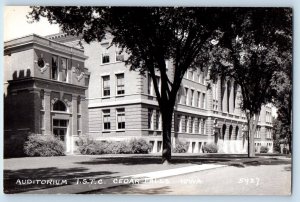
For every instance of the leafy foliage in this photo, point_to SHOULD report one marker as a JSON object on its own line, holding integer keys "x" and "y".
{"x": 181, "y": 147}
{"x": 264, "y": 149}
{"x": 43, "y": 145}
{"x": 210, "y": 148}
{"x": 87, "y": 146}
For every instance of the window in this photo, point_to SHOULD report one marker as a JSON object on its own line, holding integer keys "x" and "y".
{"x": 150, "y": 83}
{"x": 178, "y": 125}
{"x": 186, "y": 96}
{"x": 106, "y": 86}
{"x": 64, "y": 68}
{"x": 158, "y": 120}
{"x": 186, "y": 124}
{"x": 42, "y": 120}
{"x": 78, "y": 105}
{"x": 203, "y": 101}
{"x": 192, "y": 98}
{"x": 150, "y": 118}
{"x": 121, "y": 118}
{"x": 106, "y": 119}
{"x": 105, "y": 58}
{"x": 199, "y": 125}
{"x": 105, "y": 54}
{"x": 60, "y": 127}
{"x": 59, "y": 106}
{"x": 54, "y": 68}
{"x": 120, "y": 84}
{"x": 198, "y": 99}
{"x": 78, "y": 125}
{"x": 119, "y": 57}
{"x": 204, "y": 127}
{"x": 192, "y": 130}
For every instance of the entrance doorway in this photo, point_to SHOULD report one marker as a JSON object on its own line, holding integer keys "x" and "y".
{"x": 60, "y": 130}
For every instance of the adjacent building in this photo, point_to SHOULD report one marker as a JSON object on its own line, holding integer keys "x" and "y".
{"x": 122, "y": 105}
{"x": 44, "y": 92}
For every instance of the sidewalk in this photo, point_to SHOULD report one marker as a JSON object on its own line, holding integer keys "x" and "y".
{"x": 125, "y": 180}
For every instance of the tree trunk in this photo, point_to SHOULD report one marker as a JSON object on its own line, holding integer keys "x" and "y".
{"x": 167, "y": 126}
{"x": 252, "y": 125}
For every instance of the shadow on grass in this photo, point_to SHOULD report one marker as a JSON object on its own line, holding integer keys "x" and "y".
{"x": 12, "y": 178}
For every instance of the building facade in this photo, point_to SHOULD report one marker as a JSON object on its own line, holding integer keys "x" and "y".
{"x": 44, "y": 92}
{"x": 122, "y": 105}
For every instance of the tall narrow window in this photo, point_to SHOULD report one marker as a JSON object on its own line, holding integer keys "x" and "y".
{"x": 157, "y": 120}
{"x": 150, "y": 118}
{"x": 106, "y": 119}
{"x": 204, "y": 127}
{"x": 204, "y": 101}
{"x": 150, "y": 83}
{"x": 54, "y": 68}
{"x": 186, "y": 124}
{"x": 178, "y": 124}
{"x": 192, "y": 129}
{"x": 198, "y": 99}
{"x": 192, "y": 98}
{"x": 199, "y": 125}
{"x": 120, "y": 84}
{"x": 106, "y": 86}
{"x": 64, "y": 69}
{"x": 186, "y": 96}
{"x": 121, "y": 118}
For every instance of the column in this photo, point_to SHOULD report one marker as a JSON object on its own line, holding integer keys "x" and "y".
{"x": 47, "y": 114}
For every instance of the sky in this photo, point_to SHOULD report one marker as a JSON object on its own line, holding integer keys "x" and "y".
{"x": 16, "y": 24}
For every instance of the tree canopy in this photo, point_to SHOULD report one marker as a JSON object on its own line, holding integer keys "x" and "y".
{"x": 246, "y": 44}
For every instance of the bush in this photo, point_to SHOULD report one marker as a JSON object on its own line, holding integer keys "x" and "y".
{"x": 181, "y": 147}
{"x": 139, "y": 146}
{"x": 210, "y": 148}
{"x": 121, "y": 147}
{"x": 264, "y": 149}
{"x": 43, "y": 145}
{"x": 87, "y": 146}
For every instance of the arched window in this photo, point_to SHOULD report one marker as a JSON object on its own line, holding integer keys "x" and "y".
{"x": 59, "y": 106}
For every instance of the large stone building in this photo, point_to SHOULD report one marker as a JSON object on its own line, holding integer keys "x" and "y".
{"x": 122, "y": 105}
{"x": 44, "y": 91}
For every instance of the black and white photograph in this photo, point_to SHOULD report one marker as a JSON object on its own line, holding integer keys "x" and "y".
{"x": 147, "y": 100}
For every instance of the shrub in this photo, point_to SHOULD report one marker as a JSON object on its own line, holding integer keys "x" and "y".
{"x": 87, "y": 146}
{"x": 139, "y": 146}
{"x": 264, "y": 149}
{"x": 210, "y": 148}
{"x": 43, "y": 145}
{"x": 181, "y": 147}
{"x": 121, "y": 147}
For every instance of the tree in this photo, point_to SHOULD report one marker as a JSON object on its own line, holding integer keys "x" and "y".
{"x": 150, "y": 35}
{"x": 251, "y": 48}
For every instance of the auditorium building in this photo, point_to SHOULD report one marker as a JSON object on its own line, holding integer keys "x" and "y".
{"x": 45, "y": 92}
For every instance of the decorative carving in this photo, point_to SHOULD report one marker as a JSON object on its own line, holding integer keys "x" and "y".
{"x": 68, "y": 103}
{"x": 43, "y": 66}
{"x": 78, "y": 72}
{"x": 54, "y": 100}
